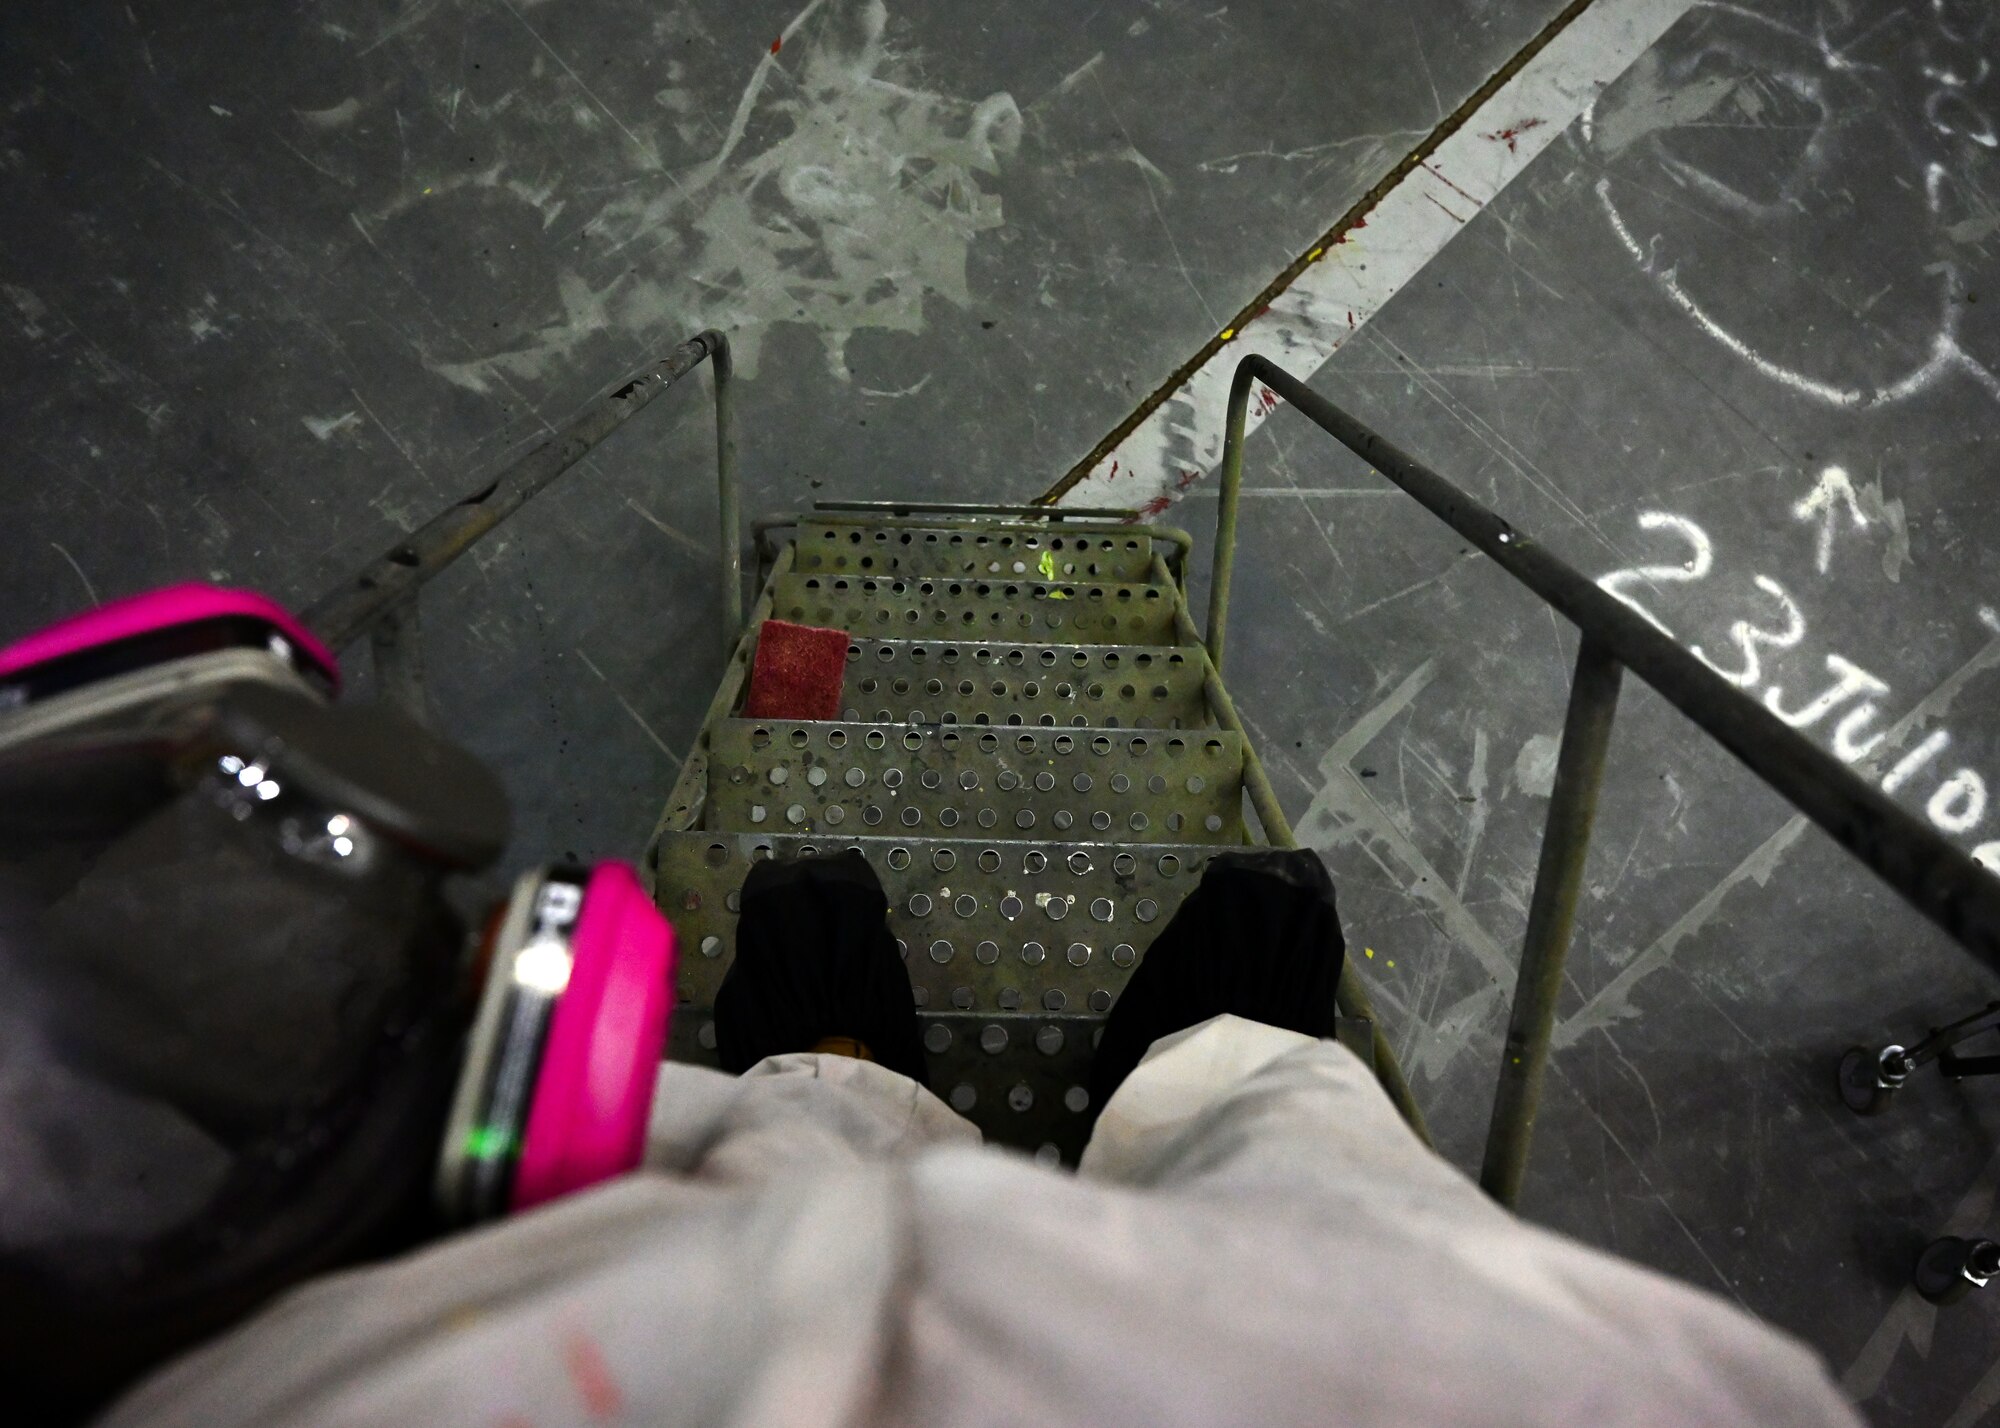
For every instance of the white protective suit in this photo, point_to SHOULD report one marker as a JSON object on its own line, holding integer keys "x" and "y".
{"x": 1254, "y": 1238}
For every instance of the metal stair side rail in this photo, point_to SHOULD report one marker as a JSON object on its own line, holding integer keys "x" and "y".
{"x": 1944, "y": 884}
{"x": 381, "y": 599}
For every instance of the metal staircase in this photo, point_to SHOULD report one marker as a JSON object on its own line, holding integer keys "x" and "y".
{"x": 1028, "y": 757}
{"x": 1037, "y": 753}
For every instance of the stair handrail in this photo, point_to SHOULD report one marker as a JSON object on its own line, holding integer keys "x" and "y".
{"x": 381, "y": 599}
{"x": 1934, "y": 876}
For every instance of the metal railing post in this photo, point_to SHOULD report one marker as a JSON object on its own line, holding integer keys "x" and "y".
{"x": 728, "y": 492}
{"x": 1586, "y": 736}
{"x": 396, "y": 642}
{"x": 1225, "y": 516}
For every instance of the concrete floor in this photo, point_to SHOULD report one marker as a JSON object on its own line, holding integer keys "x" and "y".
{"x": 283, "y": 282}
{"x": 277, "y": 285}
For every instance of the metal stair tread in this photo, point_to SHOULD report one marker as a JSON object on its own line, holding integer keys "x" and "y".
{"x": 851, "y": 545}
{"x": 970, "y": 682}
{"x": 1112, "y": 785}
{"x": 1027, "y": 1088}
{"x": 1106, "y": 612}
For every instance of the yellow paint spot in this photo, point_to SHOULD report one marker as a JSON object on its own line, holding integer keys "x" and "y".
{"x": 1227, "y": 333}
{"x": 1314, "y": 255}
{"x": 1392, "y": 964}
{"x": 1048, "y": 566}
{"x": 1369, "y": 950}
{"x": 426, "y": 190}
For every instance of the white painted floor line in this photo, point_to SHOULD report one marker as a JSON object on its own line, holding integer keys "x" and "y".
{"x": 1180, "y": 442}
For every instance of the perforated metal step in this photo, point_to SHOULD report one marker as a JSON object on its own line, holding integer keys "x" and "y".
{"x": 960, "y": 682}
{"x": 1022, "y": 1078}
{"x": 999, "y": 926}
{"x": 1027, "y": 760}
{"x": 852, "y": 547}
{"x": 1108, "y": 785}
{"x": 1092, "y": 613}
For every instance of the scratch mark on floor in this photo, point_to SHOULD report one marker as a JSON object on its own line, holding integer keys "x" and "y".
{"x": 679, "y": 538}
{"x": 648, "y": 152}
{"x": 626, "y": 705}
{"x": 1432, "y": 199}
{"x": 411, "y": 17}
{"x": 1424, "y": 60}
{"x": 1229, "y": 163}
{"x": 1483, "y": 432}
{"x": 1312, "y": 517}
{"x": 311, "y": 163}
{"x": 1611, "y": 1003}
{"x": 1475, "y": 823}
{"x": 1661, "y": 1200}
{"x": 89, "y": 589}
{"x": 1408, "y": 590}
{"x": 1076, "y": 76}
{"x": 394, "y": 440}
{"x": 1152, "y": 198}
{"x": 1344, "y": 812}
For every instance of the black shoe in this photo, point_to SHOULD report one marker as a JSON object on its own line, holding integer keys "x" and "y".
{"x": 1258, "y": 938}
{"x": 814, "y": 959}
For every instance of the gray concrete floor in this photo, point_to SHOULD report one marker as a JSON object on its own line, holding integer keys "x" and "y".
{"x": 277, "y": 283}
{"x": 281, "y": 282}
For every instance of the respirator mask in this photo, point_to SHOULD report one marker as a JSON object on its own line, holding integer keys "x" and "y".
{"x": 245, "y": 1036}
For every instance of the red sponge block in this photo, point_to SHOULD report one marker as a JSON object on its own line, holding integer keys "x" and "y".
{"x": 798, "y": 673}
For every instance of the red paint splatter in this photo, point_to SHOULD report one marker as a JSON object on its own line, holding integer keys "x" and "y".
{"x": 592, "y": 1377}
{"x": 1261, "y": 311}
{"x": 1350, "y": 317}
{"x": 1155, "y": 506}
{"x": 1508, "y": 136}
{"x": 1187, "y": 479}
{"x": 1114, "y": 470}
{"x": 1267, "y": 401}
{"x": 776, "y": 43}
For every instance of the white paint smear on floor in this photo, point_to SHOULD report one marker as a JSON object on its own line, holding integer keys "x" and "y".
{"x": 1181, "y": 440}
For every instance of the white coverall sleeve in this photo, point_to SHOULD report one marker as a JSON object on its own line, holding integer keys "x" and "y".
{"x": 1255, "y": 1238}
